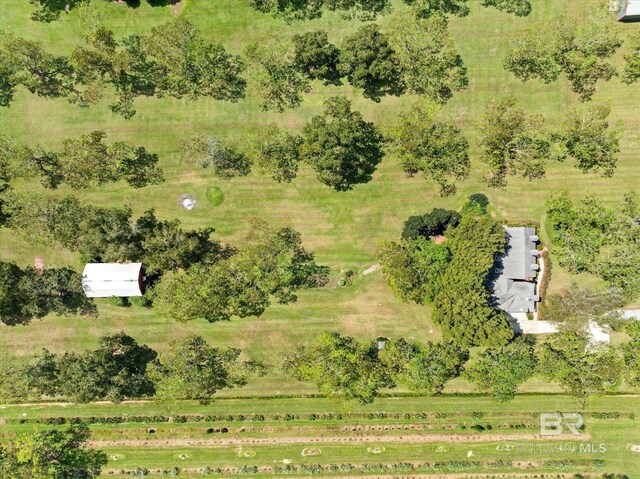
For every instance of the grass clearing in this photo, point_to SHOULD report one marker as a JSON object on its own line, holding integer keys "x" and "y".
{"x": 341, "y": 228}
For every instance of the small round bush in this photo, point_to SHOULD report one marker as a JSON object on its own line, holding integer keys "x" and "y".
{"x": 214, "y": 196}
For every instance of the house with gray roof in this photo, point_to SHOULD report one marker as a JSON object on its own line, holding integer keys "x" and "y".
{"x": 513, "y": 276}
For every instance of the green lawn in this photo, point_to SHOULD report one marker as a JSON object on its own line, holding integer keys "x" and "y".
{"x": 341, "y": 228}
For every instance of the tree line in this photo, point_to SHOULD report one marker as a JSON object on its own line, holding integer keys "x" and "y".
{"x": 343, "y": 368}
{"x": 191, "y": 275}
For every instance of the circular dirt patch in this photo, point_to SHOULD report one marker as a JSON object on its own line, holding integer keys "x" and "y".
{"x": 183, "y": 456}
{"x": 187, "y": 202}
{"x": 214, "y": 196}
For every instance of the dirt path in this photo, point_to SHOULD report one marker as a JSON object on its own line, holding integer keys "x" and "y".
{"x": 406, "y": 438}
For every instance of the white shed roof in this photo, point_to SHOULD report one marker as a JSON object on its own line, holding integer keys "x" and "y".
{"x": 630, "y": 10}
{"x": 104, "y": 280}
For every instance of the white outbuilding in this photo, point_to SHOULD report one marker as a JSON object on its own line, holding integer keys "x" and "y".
{"x": 629, "y": 11}
{"x": 105, "y": 280}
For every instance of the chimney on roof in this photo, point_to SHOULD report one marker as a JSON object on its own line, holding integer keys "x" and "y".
{"x": 534, "y": 238}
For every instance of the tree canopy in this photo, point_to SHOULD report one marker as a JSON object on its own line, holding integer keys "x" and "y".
{"x": 436, "y": 148}
{"x": 426, "y": 52}
{"x": 272, "y": 264}
{"x": 368, "y": 62}
{"x": 341, "y": 146}
{"x": 588, "y": 136}
{"x": 413, "y": 267}
{"x": 51, "y": 453}
{"x": 276, "y": 152}
{"x": 28, "y": 293}
{"x": 581, "y": 52}
{"x": 275, "y": 76}
{"x": 631, "y": 72}
{"x": 500, "y": 371}
{"x": 292, "y": 10}
{"x": 342, "y": 367}
{"x": 512, "y": 142}
{"x": 581, "y": 369}
{"x": 209, "y": 153}
{"x": 316, "y": 57}
{"x": 192, "y": 369}
{"x": 432, "y": 224}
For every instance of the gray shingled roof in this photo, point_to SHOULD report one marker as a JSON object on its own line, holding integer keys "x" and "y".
{"x": 514, "y": 272}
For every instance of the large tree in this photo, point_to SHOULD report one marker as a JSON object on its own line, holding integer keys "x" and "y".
{"x": 341, "y": 367}
{"x": 115, "y": 371}
{"x": 520, "y": 8}
{"x": 341, "y": 146}
{"x": 292, "y": 10}
{"x": 423, "y": 368}
{"x": 429, "y": 225}
{"x": 51, "y": 453}
{"x": 428, "y": 57}
{"x": 192, "y": 369}
{"x": 581, "y": 52}
{"x": 588, "y": 136}
{"x": 27, "y": 63}
{"x": 512, "y": 142}
{"x": 429, "y": 145}
{"x": 580, "y": 368}
{"x": 276, "y": 152}
{"x": 275, "y": 76}
{"x": 316, "y": 57}
{"x": 413, "y": 267}
{"x": 273, "y": 264}
{"x": 632, "y": 67}
{"x": 500, "y": 371}
{"x": 368, "y": 62}
{"x": 430, "y": 8}
{"x": 28, "y": 293}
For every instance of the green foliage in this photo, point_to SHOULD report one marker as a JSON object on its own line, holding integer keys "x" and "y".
{"x": 631, "y": 72}
{"x": 51, "y": 453}
{"x": 577, "y": 308}
{"x": 276, "y": 152}
{"x": 581, "y": 369}
{"x": 431, "y": 224}
{"x": 631, "y": 356}
{"x": 110, "y": 234}
{"x": 426, "y": 144}
{"x": 500, "y": 371}
{"x": 597, "y": 239}
{"x": 275, "y": 75}
{"x": 412, "y": 267}
{"x": 476, "y": 205}
{"x": 368, "y": 62}
{"x": 520, "y": 8}
{"x": 272, "y": 264}
{"x": 461, "y": 306}
{"x": 589, "y": 138}
{"x": 512, "y": 142}
{"x": 342, "y": 368}
{"x": 84, "y": 162}
{"x": 24, "y": 62}
{"x": 581, "y": 52}
{"x": 292, "y": 10}
{"x": 632, "y": 328}
{"x": 423, "y": 368}
{"x": 316, "y": 57}
{"x": 223, "y": 161}
{"x": 214, "y": 195}
{"x": 30, "y": 293}
{"x": 426, "y": 52}
{"x": 342, "y": 147}
{"x": 115, "y": 371}
{"x": 192, "y": 369}
{"x": 429, "y": 8}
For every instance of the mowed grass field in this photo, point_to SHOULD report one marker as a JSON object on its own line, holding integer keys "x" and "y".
{"x": 230, "y": 438}
{"x": 341, "y": 228}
